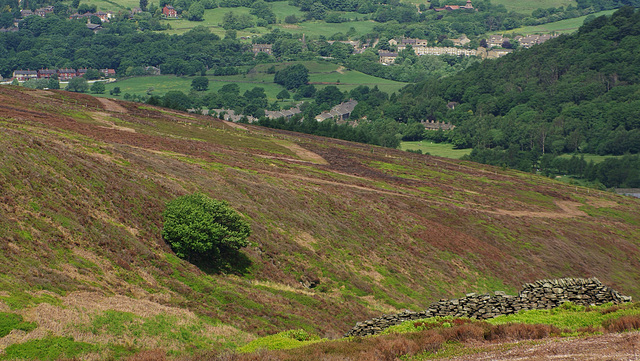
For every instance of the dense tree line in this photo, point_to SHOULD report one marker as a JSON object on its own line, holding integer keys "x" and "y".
{"x": 52, "y": 42}
{"x": 574, "y": 94}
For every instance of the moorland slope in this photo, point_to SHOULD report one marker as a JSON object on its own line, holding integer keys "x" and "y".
{"x": 342, "y": 232}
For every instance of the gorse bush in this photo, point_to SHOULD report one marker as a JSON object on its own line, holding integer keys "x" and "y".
{"x": 200, "y": 228}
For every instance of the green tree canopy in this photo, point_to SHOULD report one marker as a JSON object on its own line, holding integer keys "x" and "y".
{"x": 284, "y": 94}
{"x": 78, "y": 85}
{"x": 196, "y": 11}
{"x": 176, "y": 99}
{"x": 97, "y": 87}
{"x": 198, "y": 227}
{"x": 200, "y": 83}
{"x": 292, "y": 77}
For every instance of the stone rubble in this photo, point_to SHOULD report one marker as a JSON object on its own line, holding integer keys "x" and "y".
{"x": 542, "y": 294}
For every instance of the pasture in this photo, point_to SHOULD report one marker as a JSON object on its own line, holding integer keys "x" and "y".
{"x": 438, "y": 149}
{"x": 565, "y": 26}
{"x": 213, "y": 21}
{"x": 527, "y": 6}
{"x": 319, "y": 72}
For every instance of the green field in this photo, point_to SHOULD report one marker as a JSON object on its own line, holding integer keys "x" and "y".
{"x": 527, "y": 6}
{"x": 438, "y": 149}
{"x": 282, "y": 9}
{"x": 318, "y": 72}
{"x": 113, "y": 5}
{"x": 591, "y": 157}
{"x": 212, "y": 20}
{"x": 562, "y": 26}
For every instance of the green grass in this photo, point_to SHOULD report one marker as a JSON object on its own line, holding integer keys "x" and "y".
{"x": 568, "y": 316}
{"x": 12, "y": 321}
{"x": 113, "y": 5}
{"x": 438, "y": 149}
{"x": 50, "y": 348}
{"x": 319, "y": 72}
{"x": 281, "y": 341}
{"x": 212, "y": 19}
{"x": 562, "y": 26}
{"x": 527, "y": 6}
{"x": 20, "y": 300}
{"x": 282, "y": 9}
{"x": 591, "y": 157}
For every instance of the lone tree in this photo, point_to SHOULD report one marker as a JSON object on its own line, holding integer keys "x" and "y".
{"x": 200, "y": 83}
{"x": 199, "y": 229}
{"x": 78, "y": 85}
{"x": 97, "y": 88}
{"x": 284, "y": 94}
{"x": 292, "y": 77}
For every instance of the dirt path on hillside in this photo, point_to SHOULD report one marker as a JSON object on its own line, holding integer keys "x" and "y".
{"x": 613, "y": 346}
{"x": 301, "y": 152}
{"x": 234, "y": 125}
{"x": 112, "y": 106}
{"x": 103, "y": 118}
{"x": 568, "y": 210}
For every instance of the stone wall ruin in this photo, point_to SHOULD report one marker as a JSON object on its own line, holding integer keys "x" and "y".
{"x": 543, "y": 294}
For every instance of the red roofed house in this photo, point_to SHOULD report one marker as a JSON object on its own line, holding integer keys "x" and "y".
{"x": 104, "y": 17}
{"x": 169, "y": 11}
{"x": 46, "y": 73}
{"x": 66, "y": 74}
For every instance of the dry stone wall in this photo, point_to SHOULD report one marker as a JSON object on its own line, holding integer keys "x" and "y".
{"x": 543, "y": 294}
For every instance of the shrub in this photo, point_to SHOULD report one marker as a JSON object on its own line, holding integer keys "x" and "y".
{"x": 521, "y": 331}
{"x": 623, "y": 323}
{"x": 464, "y": 332}
{"x": 200, "y": 228}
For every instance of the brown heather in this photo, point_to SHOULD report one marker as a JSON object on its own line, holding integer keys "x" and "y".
{"x": 623, "y": 323}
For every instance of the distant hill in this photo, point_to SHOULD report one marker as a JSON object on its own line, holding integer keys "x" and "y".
{"x": 342, "y": 232}
{"x": 577, "y": 93}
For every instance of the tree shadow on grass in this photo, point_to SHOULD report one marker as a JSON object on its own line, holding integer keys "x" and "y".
{"x": 229, "y": 262}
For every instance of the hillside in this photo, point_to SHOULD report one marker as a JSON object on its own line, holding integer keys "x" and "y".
{"x": 342, "y": 232}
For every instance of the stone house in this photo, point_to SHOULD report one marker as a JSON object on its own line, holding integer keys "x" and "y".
{"x": 341, "y": 111}
{"x": 387, "y": 57}
{"x": 44, "y": 11}
{"x": 262, "y": 48}
{"x": 495, "y": 41}
{"x": 436, "y": 125}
